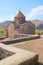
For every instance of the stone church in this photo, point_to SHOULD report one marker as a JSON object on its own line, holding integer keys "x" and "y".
{"x": 20, "y": 26}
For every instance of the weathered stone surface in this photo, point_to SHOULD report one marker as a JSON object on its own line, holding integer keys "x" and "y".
{"x": 4, "y": 53}
{"x": 10, "y": 31}
{"x": 22, "y": 57}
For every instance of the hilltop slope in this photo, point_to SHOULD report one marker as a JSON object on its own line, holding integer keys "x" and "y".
{"x": 4, "y": 24}
{"x": 38, "y": 24}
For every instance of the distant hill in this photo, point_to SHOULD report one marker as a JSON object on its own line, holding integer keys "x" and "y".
{"x": 4, "y": 24}
{"x": 38, "y": 24}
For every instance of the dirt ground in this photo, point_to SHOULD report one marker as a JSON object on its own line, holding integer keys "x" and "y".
{"x": 34, "y": 46}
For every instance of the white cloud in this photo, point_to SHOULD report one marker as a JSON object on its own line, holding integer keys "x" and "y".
{"x": 38, "y": 11}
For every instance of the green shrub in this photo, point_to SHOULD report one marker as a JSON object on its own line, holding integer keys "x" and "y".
{"x": 39, "y": 32}
{"x": 2, "y": 32}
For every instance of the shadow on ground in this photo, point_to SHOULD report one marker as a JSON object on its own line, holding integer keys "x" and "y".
{"x": 39, "y": 63}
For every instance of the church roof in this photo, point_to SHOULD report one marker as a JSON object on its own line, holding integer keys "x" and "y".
{"x": 16, "y": 26}
{"x": 20, "y": 14}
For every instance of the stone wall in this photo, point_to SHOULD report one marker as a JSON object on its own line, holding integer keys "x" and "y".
{"x": 27, "y": 28}
{"x": 21, "y": 39}
{"x": 22, "y": 57}
{"x": 10, "y": 30}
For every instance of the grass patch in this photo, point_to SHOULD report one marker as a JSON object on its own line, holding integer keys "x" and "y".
{"x": 2, "y": 32}
{"x": 37, "y": 31}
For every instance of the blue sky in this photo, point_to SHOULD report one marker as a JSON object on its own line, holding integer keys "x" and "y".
{"x": 32, "y": 9}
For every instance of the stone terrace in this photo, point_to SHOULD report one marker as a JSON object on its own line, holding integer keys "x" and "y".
{"x": 22, "y": 57}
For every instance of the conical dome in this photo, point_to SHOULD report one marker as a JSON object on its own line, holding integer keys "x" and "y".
{"x": 19, "y": 18}
{"x": 19, "y": 14}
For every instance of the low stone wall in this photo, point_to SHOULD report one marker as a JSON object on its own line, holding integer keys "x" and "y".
{"x": 21, "y": 39}
{"x": 3, "y": 37}
{"x": 22, "y": 57}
